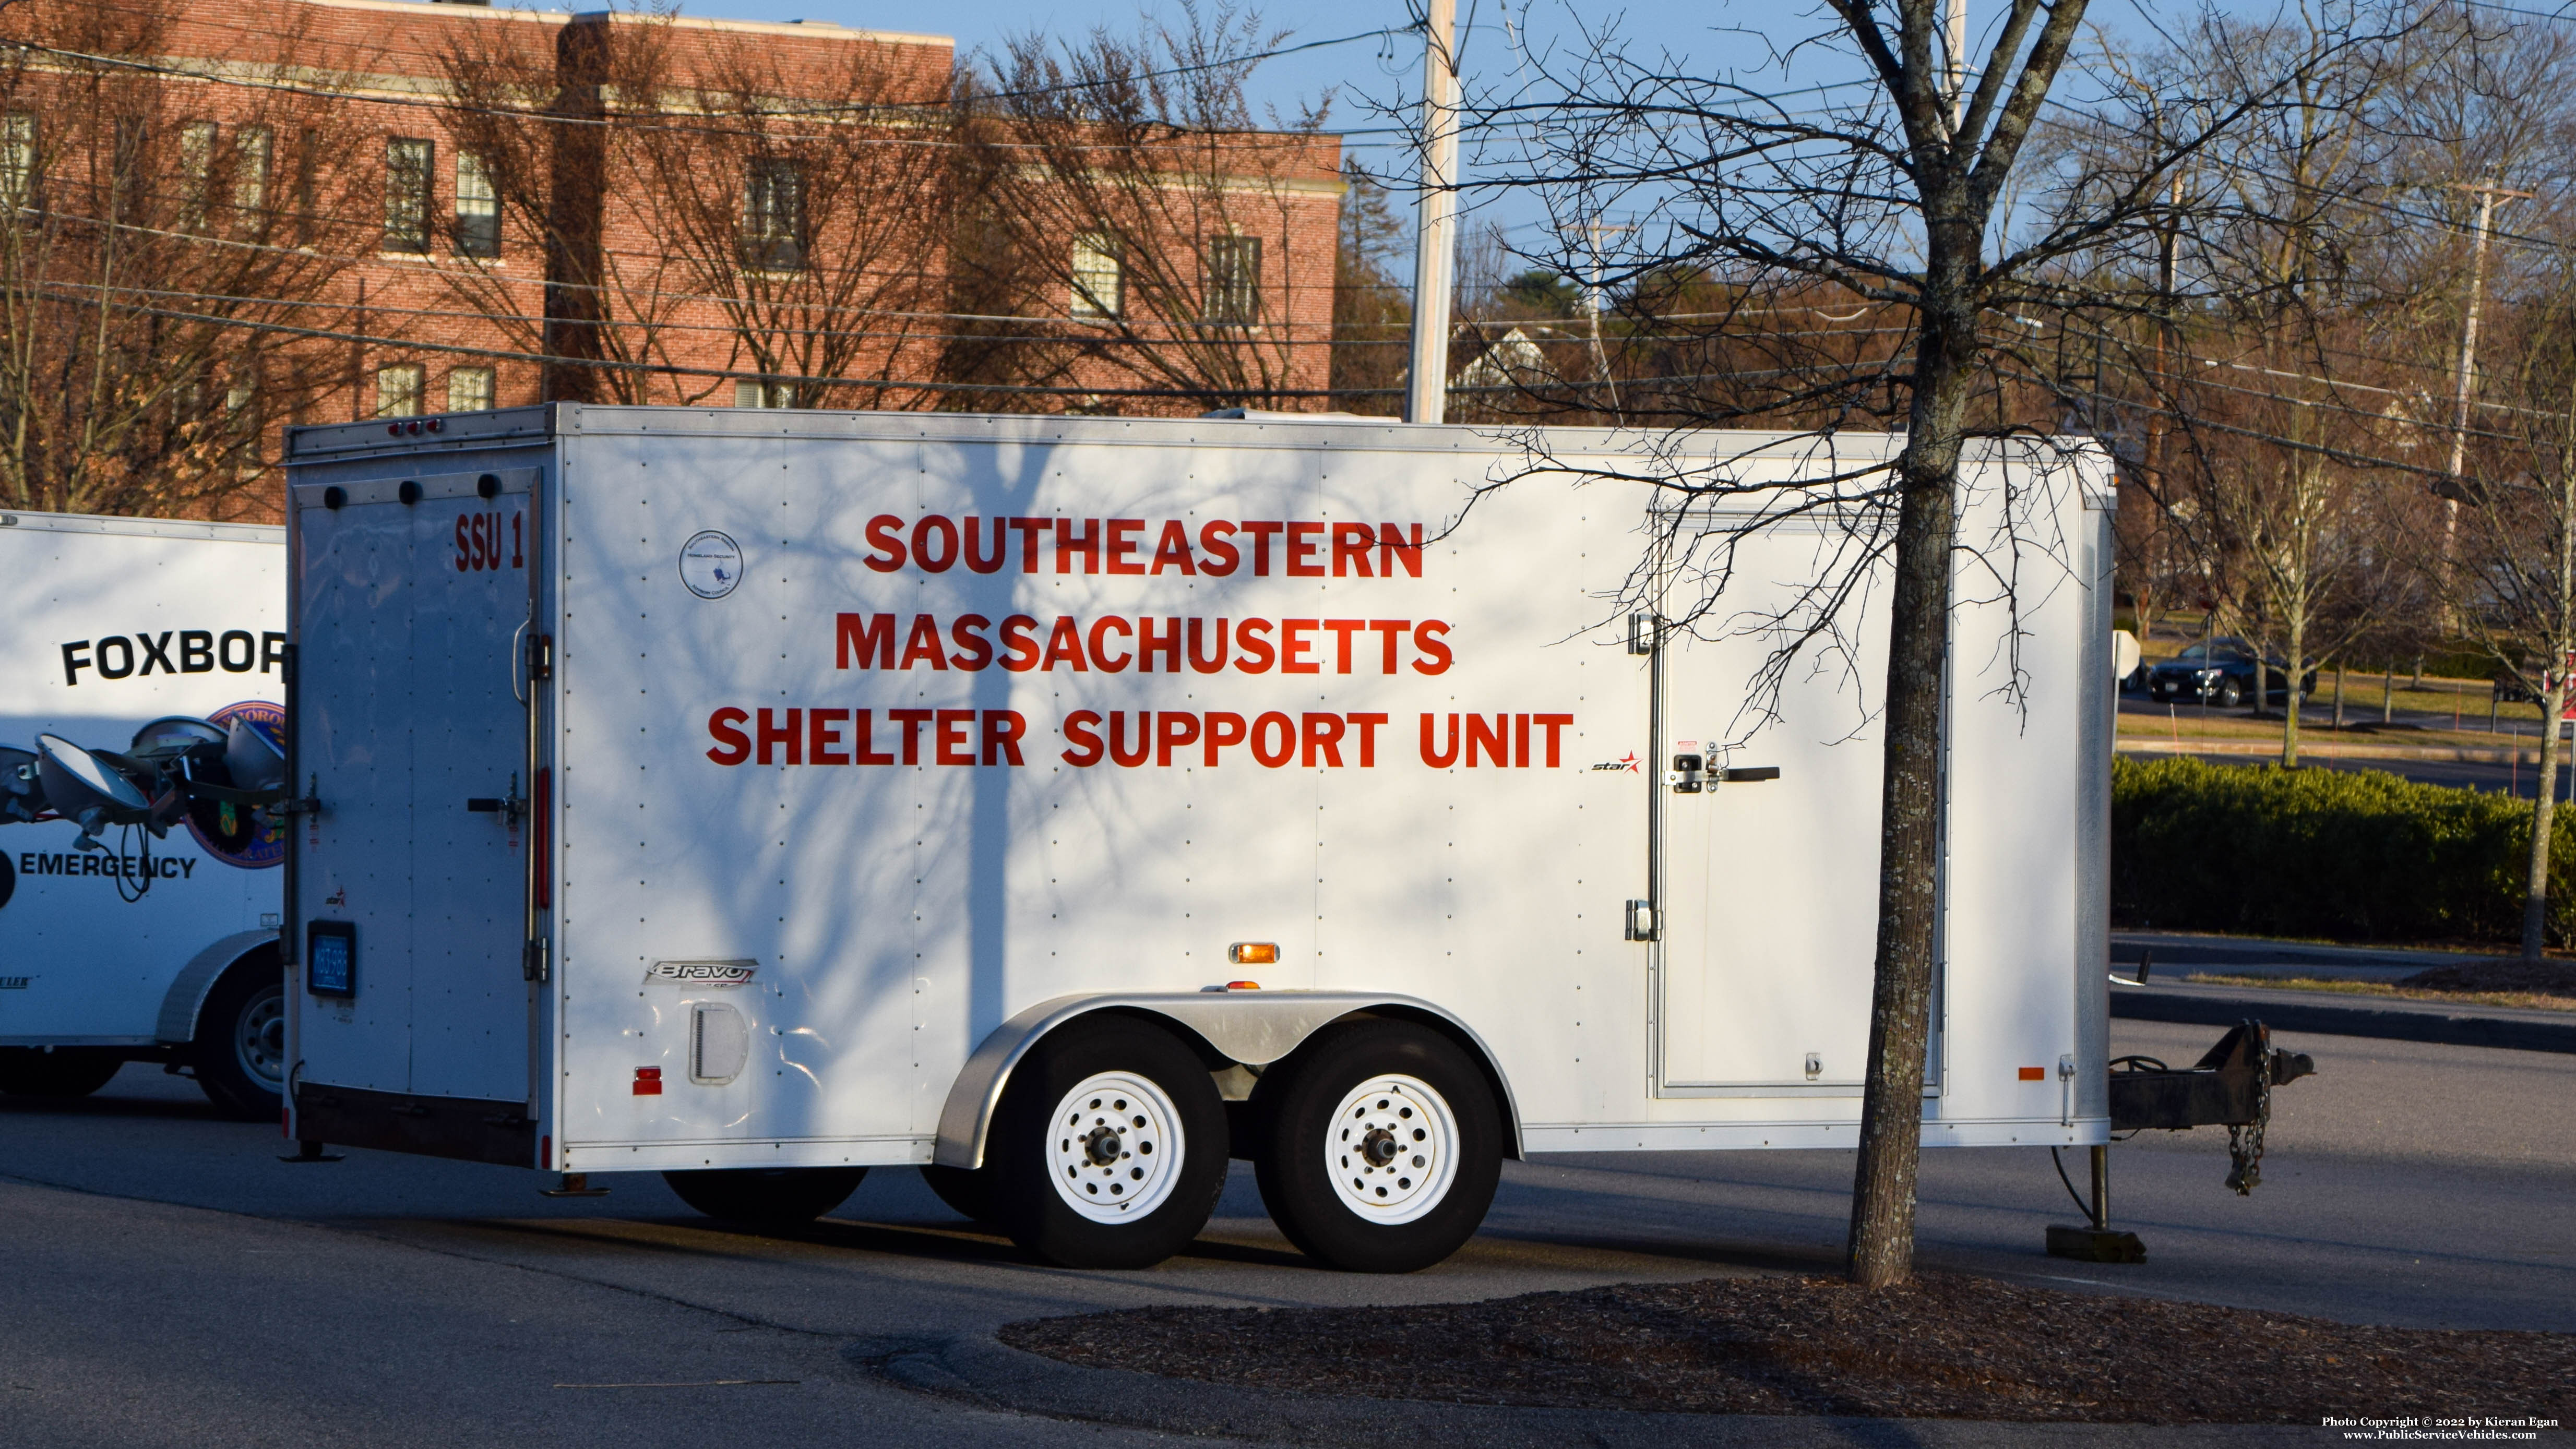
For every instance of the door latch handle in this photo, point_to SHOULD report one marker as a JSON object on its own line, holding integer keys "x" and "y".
{"x": 510, "y": 807}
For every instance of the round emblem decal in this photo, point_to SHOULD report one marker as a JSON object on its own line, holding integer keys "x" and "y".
{"x": 234, "y": 834}
{"x": 710, "y": 564}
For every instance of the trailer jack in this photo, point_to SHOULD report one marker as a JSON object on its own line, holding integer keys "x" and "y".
{"x": 2230, "y": 1086}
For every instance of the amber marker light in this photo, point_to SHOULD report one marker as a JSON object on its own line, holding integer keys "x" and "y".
{"x": 1243, "y": 986}
{"x": 1252, "y": 953}
{"x": 2034, "y": 1074}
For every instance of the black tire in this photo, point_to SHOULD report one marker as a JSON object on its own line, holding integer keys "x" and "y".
{"x": 767, "y": 1197}
{"x": 239, "y": 1053}
{"x": 62, "y": 1073}
{"x": 1160, "y": 1155}
{"x": 1312, "y": 1153}
{"x": 2156, "y": 690}
{"x": 2230, "y": 694}
{"x": 968, "y": 1192}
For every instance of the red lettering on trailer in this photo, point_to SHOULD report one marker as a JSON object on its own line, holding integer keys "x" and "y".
{"x": 923, "y": 643}
{"x": 1080, "y": 728}
{"x": 1003, "y": 729}
{"x": 956, "y": 745}
{"x": 1394, "y": 548}
{"x": 1302, "y": 548}
{"x": 1148, "y": 644}
{"x": 787, "y": 735}
{"x": 1223, "y": 558}
{"x": 478, "y": 542}
{"x": 1019, "y": 644}
{"x": 1270, "y": 720}
{"x": 1316, "y": 739}
{"x": 1122, "y": 547}
{"x": 973, "y": 650}
{"x": 1172, "y": 550}
{"x": 1223, "y": 729}
{"x": 1323, "y": 734}
{"x": 885, "y": 543}
{"x": 1100, "y": 659}
{"x": 1427, "y": 637}
{"x": 1068, "y": 544}
{"x": 1065, "y": 643}
{"x": 1293, "y": 646}
{"x": 1351, "y": 545}
{"x": 1257, "y": 653}
{"x": 912, "y": 720}
{"x": 934, "y": 528}
{"x": 978, "y": 560}
{"x": 869, "y": 636}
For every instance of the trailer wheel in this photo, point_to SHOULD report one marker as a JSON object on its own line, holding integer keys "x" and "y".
{"x": 240, "y": 1048}
{"x": 1384, "y": 1147}
{"x": 769, "y": 1197}
{"x": 62, "y": 1072}
{"x": 1110, "y": 1148}
{"x": 968, "y": 1191}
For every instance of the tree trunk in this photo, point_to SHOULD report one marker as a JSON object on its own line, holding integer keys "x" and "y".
{"x": 1881, "y": 1250}
{"x": 2535, "y": 898}
{"x": 2290, "y": 695}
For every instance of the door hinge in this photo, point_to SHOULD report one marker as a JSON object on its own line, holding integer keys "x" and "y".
{"x": 541, "y": 657}
{"x": 532, "y": 961}
{"x": 1641, "y": 920}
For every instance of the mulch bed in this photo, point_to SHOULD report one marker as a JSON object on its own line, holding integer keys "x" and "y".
{"x": 1943, "y": 1346}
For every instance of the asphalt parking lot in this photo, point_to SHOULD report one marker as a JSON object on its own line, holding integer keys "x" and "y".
{"x": 167, "y": 1281}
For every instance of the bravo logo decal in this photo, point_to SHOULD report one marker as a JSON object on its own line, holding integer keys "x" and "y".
{"x": 700, "y": 973}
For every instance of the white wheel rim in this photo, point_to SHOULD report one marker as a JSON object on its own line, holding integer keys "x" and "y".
{"x": 1391, "y": 1149}
{"x": 1114, "y": 1148}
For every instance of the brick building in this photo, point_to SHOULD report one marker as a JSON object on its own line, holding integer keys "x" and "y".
{"x": 313, "y": 210}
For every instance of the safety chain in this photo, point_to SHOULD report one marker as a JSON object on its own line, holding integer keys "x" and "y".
{"x": 2245, "y": 1143}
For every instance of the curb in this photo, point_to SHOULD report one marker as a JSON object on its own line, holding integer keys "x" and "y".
{"x": 2133, "y": 745}
{"x": 2435, "y": 1025}
{"x": 977, "y": 1370}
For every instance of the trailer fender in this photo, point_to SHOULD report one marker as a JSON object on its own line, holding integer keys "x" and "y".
{"x": 1253, "y": 1029}
{"x": 187, "y": 994}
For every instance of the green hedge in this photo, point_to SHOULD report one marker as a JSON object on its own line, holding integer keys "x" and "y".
{"x": 2338, "y": 854}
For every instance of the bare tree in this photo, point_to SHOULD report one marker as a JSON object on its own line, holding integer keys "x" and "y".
{"x": 1131, "y": 227}
{"x": 1898, "y": 194}
{"x": 807, "y": 209}
{"x": 537, "y": 113}
{"x": 161, "y": 251}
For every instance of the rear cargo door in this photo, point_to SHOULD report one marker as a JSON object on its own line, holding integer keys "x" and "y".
{"x": 413, "y": 617}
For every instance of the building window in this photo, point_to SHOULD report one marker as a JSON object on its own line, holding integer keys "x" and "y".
{"x": 254, "y": 149}
{"x": 196, "y": 172}
{"x": 398, "y": 389}
{"x": 408, "y": 169}
{"x": 1099, "y": 276}
{"x": 478, "y": 208}
{"x": 17, "y": 159}
{"x": 773, "y": 217}
{"x": 469, "y": 389}
{"x": 1233, "y": 281}
{"x": 749, "y": 393}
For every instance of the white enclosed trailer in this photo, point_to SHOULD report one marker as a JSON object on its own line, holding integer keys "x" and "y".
{"x": 764, "y": 796}
{"x": 126, "y": 946}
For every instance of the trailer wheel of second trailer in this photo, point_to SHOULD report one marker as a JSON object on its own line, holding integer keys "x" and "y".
{"x": 1383, "y": 1149}
{"x": 240, "y": 1048}
{"x": 1110, "y": 1147}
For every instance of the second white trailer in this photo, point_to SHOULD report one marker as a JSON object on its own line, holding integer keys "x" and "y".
{"x": 1068, "y": 805}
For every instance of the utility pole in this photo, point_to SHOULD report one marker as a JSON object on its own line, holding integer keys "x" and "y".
{"x": 2488, "y": 193}
{"x": 1593, "y": 232}
{"x": 1435, "y": 246}
{"x": 1954, "y": 33}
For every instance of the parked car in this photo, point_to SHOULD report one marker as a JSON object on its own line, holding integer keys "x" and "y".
{"x": 2222, "y": 672}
